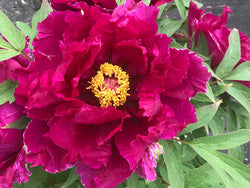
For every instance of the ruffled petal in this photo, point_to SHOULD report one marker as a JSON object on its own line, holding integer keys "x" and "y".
{"x": 181, "y": 113}
{"x": 116, "y": 172}
{"x": 216, "y": 33}
{"x": 146, "y": 168}
{"x": 10, "y": 112}
{"x": 88, "y": 141}
{"x": 42, "y": 151}
{"x": 131, "y": 148}
{"x": 12, "y": 158}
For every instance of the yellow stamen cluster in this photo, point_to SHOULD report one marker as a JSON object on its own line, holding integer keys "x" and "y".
{"x": 110, "y": 85}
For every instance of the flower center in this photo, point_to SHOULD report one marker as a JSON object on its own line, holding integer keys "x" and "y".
{"x": 110, "y": 85}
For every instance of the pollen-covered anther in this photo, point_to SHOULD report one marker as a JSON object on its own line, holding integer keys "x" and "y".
{"x": 110, "y": 85}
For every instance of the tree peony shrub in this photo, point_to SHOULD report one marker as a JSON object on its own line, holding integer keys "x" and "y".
{"x": 103, "y": 89}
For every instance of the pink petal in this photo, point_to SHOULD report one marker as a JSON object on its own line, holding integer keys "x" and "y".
{"x": 42, "y": 151}
{"x": 115, "y": 173}
{"x": 10, "y": 113}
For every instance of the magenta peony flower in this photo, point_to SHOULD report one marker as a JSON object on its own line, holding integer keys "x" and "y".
{"x": 73, "y": 4}
{"x": 216, "y": 33}
{"x": 12, "y": 154}
{"x": 106, "y": 4}
{"x": 12, "y": 163}
{"x": 102, "y": 91}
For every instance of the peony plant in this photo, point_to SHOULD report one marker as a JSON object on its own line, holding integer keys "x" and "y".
{"x": 117, "y": 94}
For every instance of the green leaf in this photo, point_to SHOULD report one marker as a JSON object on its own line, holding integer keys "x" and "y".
{"x": 209, "y": 93}
{"x": 201, "y": 132}
{"x": 224, "y": 141}
{"x": 71, "y": 179}
{"x": 181, "y": 8}
{"x": 25, "y": 28}
{"x": 244, "y": 122}
{"x": 168, "y": 26}
{"x": 18, "y": 124}
{"x": 204, "y": 115}
{"x": 187, "y": 166}
{"x": 120, "y": 2}
{"x": 242, "y": 72}
{"x": 7, "y": 89}
{"x": 232, "y": 55}
{"x": 36, "y": 179}
{"x": 173, "y": 163}
{"x": 140, "y": 184}
{"x": 174, "y": 44}
{"x": 216, "y": 125}
{"x": 201, "y": 97}
{"x": 212, "y": 72}
{"x": 238, "y": 109}
{"x": 156, "y": 184}
{"x": 11, "y": 33}
{"x": 132, "y": 181}
{"x": 42, "y": 179}
{"x": 237, "y": 153}
{"x": 147, "y": 2}
{"x": 202, "y": 56}
{"x": 8, "y": 50}
{"x": 76, "y": 184}
{"x": 38, "y": 17}
{"x": 202, "y": 46}
{"x": 231, "y": 171}
{"x": 241, "y": 93}
{"x": 6, "y": 45}
{"x": 162, "y": 11}
{"x": 6, "y": 54}
{"x": 187, "y": 3}
{"x": 163, "y": 171}
{"x": 219, "y": 89}
{"x": 203, "y": 177}
{"x": 186, "y": 152}
{"x": 169, "y": 9}
{"x": 231, "y": 120}
{"x": 238, "y": 117}
{"x": 120, "y": 185}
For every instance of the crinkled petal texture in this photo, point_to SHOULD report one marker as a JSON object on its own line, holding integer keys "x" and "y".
{"x": 10, "y": 113}
{"x": 12, "y": 155}
{"x": 216, "y": 33}
{"x": 38, "y": 147}
{"x": 108, "y": 5}
{"x": 74, "y": 4}
{"x": 70, "y": 127}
